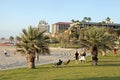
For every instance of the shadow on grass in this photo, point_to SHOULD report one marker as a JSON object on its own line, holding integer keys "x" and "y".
{"x": 62, "y": 66}
{"x": 88, "y": 64}
{"x": 93, "y": 78}
{"x": 113, "y": 65}
{"x": 108, "y": 61}
{"x": 75, "y": 66}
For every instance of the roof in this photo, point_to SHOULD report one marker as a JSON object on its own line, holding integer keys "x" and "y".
{"x": 92, "y": 23}
{"x": 63, "y": 23}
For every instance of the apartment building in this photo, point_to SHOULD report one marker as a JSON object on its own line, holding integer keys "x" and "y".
{"x": 60, "y": 26}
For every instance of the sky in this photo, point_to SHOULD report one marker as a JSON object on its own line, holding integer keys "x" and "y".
{"x": 16, "y": 15}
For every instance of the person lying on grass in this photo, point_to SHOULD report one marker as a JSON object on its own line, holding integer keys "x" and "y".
{"x": 58, "y": 63}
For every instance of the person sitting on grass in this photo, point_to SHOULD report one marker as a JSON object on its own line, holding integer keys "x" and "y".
{"x": 58, "y": 63}
{"x": 67, "y": 62}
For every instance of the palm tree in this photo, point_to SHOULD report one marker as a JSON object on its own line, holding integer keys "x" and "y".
{"x": 2, "y": 38}
{"x": 33, "y": 42}
{"x": 118, "y": 36}
{"x": 88, "y": 19}
{"x": 18, "y": 39}
{"x": 102, "y": 23}
{"x": 107, "y": 20}
{"x": 73, "y": 20}
{"x": 74, "y": 32}
{"x": 96, "y": 40}
{"x": 83, "y": 22}
{"x": 66, "y": 37}
{"x": 11, "y": 38}
{"x": 85, "y": 18}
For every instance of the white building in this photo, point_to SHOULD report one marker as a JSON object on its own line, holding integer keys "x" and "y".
{"x": 43, "y": 26}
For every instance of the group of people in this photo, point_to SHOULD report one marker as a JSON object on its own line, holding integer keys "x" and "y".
{"x": 80, "y": 57}
{"x": 60, "y": 62}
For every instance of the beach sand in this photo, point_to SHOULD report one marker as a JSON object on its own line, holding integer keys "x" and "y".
{"x": 17, "y": 60}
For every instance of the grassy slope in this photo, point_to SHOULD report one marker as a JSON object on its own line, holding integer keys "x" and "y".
{"x": 108, "y": 69}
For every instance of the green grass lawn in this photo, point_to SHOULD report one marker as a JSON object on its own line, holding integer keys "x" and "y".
{"x": 108, "y": 68}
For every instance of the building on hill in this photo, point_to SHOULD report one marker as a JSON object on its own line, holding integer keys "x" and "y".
{"x": 43, "y": 26}
{"x": 100, "y": 24}
{"x": 60, "y": 26}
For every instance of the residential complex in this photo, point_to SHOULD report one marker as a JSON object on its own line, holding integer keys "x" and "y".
{"x": 61, "y": 26}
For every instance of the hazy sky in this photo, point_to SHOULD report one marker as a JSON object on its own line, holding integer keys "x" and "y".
{"x": 18, "y": 14}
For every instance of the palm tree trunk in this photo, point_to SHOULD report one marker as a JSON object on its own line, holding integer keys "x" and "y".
{"x": 94, "y": 55}
{"x": 37, "y": 56}
{"x": 31, "y": 60}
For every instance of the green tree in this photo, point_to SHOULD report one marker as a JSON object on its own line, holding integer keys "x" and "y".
{"x": 85, "y": 19}
{"x": 102, "y": 23}
{"x": 108, "y": 20}
{"x": 74, "y": 32}
{"x": 88, "y": 19}
{"x": 11, "y": 38}
{"x": 118, "y": 36}
{"x": 33, "y": 42}
{"x": 96, "y": 39}
{"x": 18, "y": 39}
{"x": 83, "y": 22}
{"x": 74, "y": 29}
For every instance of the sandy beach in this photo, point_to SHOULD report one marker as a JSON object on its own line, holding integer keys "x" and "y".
{"x": 17, "y": 60}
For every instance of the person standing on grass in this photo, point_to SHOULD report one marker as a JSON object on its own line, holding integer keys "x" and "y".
{"x": 76, "y": 56}
{"x": 5, "y": 52}
{"x": 82, "y": 57}
{"x": 115, "y": 51}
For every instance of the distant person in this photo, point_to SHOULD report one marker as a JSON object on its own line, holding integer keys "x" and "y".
{"x": 115, "y": 51}
{"x": 58, "y": 63}
{"x": 5, "y": 52}
{"x": 76, "y": 56}
{"x": 67, "y": 62}
{"x": 82, "y": 57}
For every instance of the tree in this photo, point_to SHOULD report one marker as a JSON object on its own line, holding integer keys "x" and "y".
{"x": 33, "y": 42}
{"x": 66, "y": 37}
{"x": 107, "y": 20}
{"x": 96, "y": 39}
{"x": 74, "y": 32}
{"x": 85, "y": 18}
{"x": 118, "y": 36}
{"x": 2, "y": 38}
{"x": 88, "y": 19}
{"x": 74, "y": 29}
{"x": 11, "y": 38}
{"x": 102, "y": 23}
{"x": 73, "y": 20}
{"x": 18, "y": 39}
